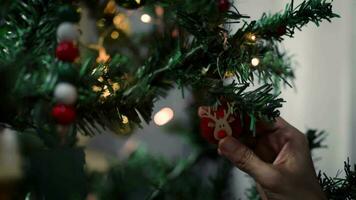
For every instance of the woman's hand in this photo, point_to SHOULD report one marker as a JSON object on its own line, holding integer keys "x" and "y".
{"x": 280, "y": 162}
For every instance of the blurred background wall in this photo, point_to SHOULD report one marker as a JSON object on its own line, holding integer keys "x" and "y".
{"x": 323, "y": 96}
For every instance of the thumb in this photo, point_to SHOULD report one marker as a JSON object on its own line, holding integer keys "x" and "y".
{"x": 245, "y": 159}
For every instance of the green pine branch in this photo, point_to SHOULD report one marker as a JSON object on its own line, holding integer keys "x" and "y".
{"x": 339, "y": 188}
{"x": 199, "y": 58}
{"x": 293, "y": 17}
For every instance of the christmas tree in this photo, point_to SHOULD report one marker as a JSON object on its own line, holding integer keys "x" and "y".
{"x": 55, "y": 85}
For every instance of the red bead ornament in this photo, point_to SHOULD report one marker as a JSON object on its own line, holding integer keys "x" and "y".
{"x": 281, "y": 30}
{"x": 215, "y": 124}
{"x": 224, "y": 5}
{"x": 64, "y": 114}
{"x": 67, "y": 51}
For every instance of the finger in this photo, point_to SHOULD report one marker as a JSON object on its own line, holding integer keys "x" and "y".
{"x": 261, "y": 191}
{"x": 245, "y": 159}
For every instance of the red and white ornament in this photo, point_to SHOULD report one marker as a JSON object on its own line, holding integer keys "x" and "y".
{"x": 67, "y": 31}
{"x": 217, "y": 123}
{"x": 65, "y": 93}
{"x": 64, "y": 114}
{"x": 67, "y": 51}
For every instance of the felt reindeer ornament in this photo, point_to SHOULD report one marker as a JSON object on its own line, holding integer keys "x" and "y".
{"x": 219, "y": 122}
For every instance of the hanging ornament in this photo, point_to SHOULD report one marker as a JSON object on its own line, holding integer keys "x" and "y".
{"x": 68, "y": 13}
{"x": 215, "y": 124}
{"x": 67, "y": 31}
{"x": 64, "y": 114}
{"x": 65, "y": 93}
{"x": 130, "y": 4}
{"x": 224, "y": 5}
{"x": 67, "y": 51}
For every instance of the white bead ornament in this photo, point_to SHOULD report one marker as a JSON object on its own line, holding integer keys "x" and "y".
{"x": 65, "y": 93}
{"x": 67, "y": 31}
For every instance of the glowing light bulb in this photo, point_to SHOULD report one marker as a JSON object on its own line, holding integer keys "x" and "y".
{"x": 163, "y": 116}
{"x": 255, "y": 62}
{"x": 110, "y": 7}
{"x": 118, "y": 19}
{"x": 145, "y": 18}
{"x": 229, "y": 74}
{"x": 253, "y": 37}
{"x": 114, "y": 35}
{"x": 103, "y": 56}
{"x": 105, "y": 93}
{"x": 125, "y": 120}
{"x": 121, "y": 22}
{"x": 100, "y": 79}
{"x": 115, "y": 86}
{"x": 96, "y": 88}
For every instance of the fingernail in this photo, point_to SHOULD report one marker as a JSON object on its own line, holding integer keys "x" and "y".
{"x": 219, "y": 152}
{"x": 228, "y": 145}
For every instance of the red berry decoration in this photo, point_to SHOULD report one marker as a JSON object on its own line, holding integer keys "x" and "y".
{"x": 281, "y": 30}
{"x": 67, "y": 51}
{"x": 64, "y": 114}
{"x": 224, "y": 5}
{"x": 215, "y": 124}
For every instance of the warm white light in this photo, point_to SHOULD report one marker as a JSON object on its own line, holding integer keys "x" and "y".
{"x": 119, "y": 19}
{"x": 115, "y": 86}
{"x": 103, "y": 56}
{"x": 229, "y": 74}
{"x": 110, "y": 7}
{"x": 163, "y": 116}
{"x": 125, "y": 119}
{"x": 255, "y": 62}
{"x": 253, "y": 37}
{"x": 114, "y": 35}
{"x": 106, "y": 92}
{"x": 96, "y": 88}
{"x": 145, "y": 18}
{"x": 101, "y": 79}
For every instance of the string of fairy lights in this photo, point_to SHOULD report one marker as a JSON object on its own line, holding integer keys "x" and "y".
{"x": 254, "y": 61}
{"x": 121, "y": 23}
